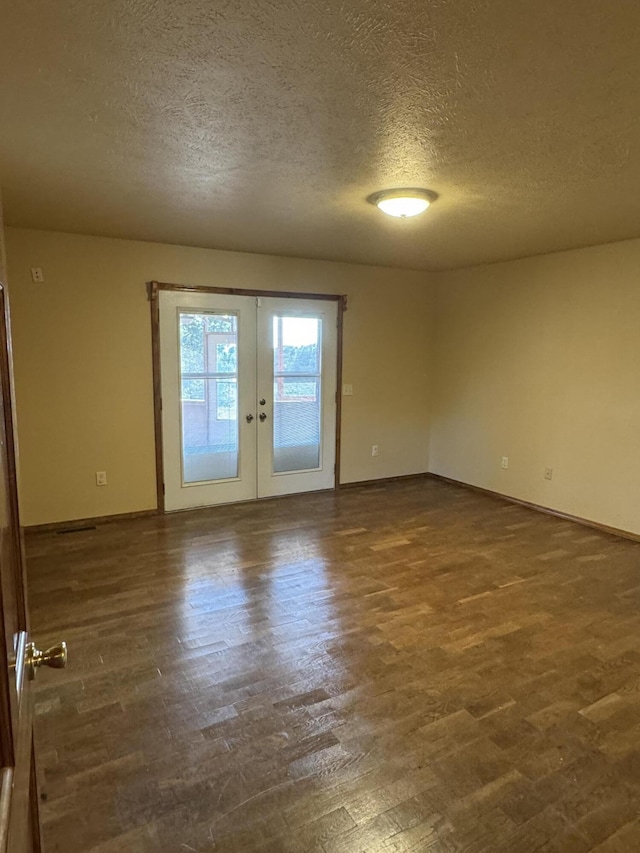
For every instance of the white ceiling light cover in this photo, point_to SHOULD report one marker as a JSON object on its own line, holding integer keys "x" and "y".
{"x": 403, "y": 202}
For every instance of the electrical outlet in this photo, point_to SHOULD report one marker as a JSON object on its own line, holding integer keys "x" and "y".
{"x": 101, "y": 478}
{"x": 548, "y": 473}
{"x": 347, "y": 390}
{"x": 37, "y": 275}
{"x": 505, "y": 462}
{"x": 375, "y": 450}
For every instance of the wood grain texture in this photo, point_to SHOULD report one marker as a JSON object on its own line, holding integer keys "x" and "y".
{"x": 155, "y": 286}
{"x": 615, "y": 531}
{"x": 409, "y": 666}
{"x": 19, "y": 814}
{"x": 342, "y": 307}
{"x": 73, "y": 524}
{"x": 154, "y": 303}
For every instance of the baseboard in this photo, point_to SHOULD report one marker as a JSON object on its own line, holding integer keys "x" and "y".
{"x": 70, "y": 524}
{"x": 125, "y": 516}
{"x": 74, "y": 523}
{"x": 604, "y": 528}
{"x": 380, "y": 481}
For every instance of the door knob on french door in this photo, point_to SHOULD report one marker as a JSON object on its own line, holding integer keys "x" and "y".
{"x": 55, "y": 657}
{"x": 249, "y": 418}
{"x": 263, "y": 402}
{"x": 263, "y": 416}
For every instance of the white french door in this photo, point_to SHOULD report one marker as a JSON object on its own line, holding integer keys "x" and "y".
{"x": 248, "y": 396}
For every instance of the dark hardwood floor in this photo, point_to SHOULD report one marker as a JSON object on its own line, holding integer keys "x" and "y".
{"x": 404, "y": 667}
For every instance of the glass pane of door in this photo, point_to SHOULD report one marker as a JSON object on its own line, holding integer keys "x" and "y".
{"x": 297, "y": 391}
{"x": 208, "y": 396}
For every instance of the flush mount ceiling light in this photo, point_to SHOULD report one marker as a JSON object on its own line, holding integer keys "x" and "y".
{"x": 403, "y": 202}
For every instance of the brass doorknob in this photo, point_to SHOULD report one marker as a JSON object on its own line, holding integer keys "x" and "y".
{"x": 56, "y": 657}
{"x": 263, "y": 416}
{"x": 249, "y": 418}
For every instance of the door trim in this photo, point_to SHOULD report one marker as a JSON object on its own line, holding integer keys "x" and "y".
{"x": 154, "y": 288}
{"x": 17, "y": 761}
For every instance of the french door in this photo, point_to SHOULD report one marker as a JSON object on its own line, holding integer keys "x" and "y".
{"x": 248, "y": 390}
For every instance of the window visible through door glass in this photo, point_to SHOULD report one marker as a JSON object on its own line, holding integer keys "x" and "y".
{"x": 209, "y": 396}
{"x": 297, "y": 387}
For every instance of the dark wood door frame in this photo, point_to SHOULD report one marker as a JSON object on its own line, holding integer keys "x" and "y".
{"x": 154, "y": 288}
{"x": 19, "y": 815}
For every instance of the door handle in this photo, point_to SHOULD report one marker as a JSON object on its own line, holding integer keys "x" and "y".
{"x": 263, "y": 416}
{"x": 249, "y": 418}
{"x": 263, "y": 402}
{"x": 56, "y": 657}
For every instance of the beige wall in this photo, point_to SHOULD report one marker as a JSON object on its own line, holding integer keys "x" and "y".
{"x": 82, "y": 351}
{"x": 539, "y": 360}
{"x": 536, "y": 359}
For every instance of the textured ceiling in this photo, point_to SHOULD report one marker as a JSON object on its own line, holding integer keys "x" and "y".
{"x": 263, "y": 126}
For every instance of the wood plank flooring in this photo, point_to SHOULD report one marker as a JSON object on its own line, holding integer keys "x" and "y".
{"x": 402, "y": 667}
